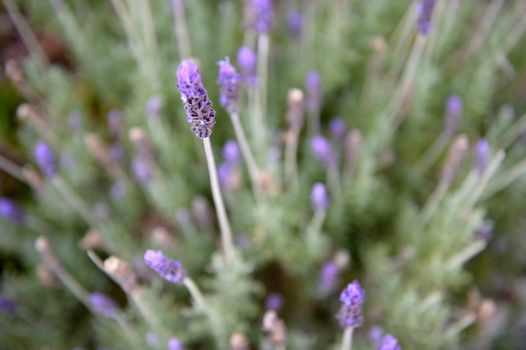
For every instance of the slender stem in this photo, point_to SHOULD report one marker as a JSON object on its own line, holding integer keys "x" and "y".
{"x": 461, "y": 324}
{"x": 196, "y": 294}
{"x": 11, "y": 168}
{"x": 512, "y": 132}
{"x": 73, "y": 200}
{"x": 253, "y": 170}
{"x": 435, "y": 199}
{"x": 313, "y": 239}
{"x": 466, "y": 254}
{"x": 347, "y": 339}
{"x": 291, "y": 166}
{"x": 507, "y": 178}
{"x": 226, "y": 232}
{"x": 432, "y": 153}
{"x": 261, "y": 95}
{"x": 181, "y": 29}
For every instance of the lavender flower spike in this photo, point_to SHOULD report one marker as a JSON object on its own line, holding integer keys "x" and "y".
{"x": 197, "y": 105}
{"x": 103, "y": 305}
{"x": 389, "y": 343}
{"x": 453, "y": 113}
{"x": 319, "y": 197}
{"x": 313, "y": 87}
{"x": 170, "y": 270}
{"x": 262, "y": 15}
{"x": 425, "y": 14}
{"x": 482, "y": 153}
{"x": 352, "y": 297}
{"x": 45, "y": 159}
{"x": 322, "y": 150}
{"x": 11, "y": 211}
{"x": 329, "y": 277}
{"x": 295, "y": 24}
{"x": 229, "y": 81}
{"x": 337, "y": 128}
{"x": 247, "y": 61}
{"x": 231, "y": 153}
{"x": 175, "y": 344}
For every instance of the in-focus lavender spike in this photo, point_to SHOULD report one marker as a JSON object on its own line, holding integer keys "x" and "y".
{"x": 9, "y": 210}
{"x": 313, "y": 88}
{"x": 229, "y": 81}
{"x": 45, "y": 159}
{"x": 295, "y": 24}
{"x": 351, "y": 298}
{"x": 453, "y": 114}
{"x": 319, "y": 197}
{"x": 389, "y": 343}
{"x": 103, "y": 304}
{"x": 170, "y": 270}
{"x": 197, "y": 105}
{"x": 247, "y": 61}
{"x": 482, "y": 154}
{"x": 425, "y": 14}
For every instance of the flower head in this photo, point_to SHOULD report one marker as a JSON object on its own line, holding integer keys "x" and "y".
{"x": 319, "y": 197}
{"x": 352, "y": 298}
{"x": 425, "y": 12}
{"x": 247, "y": 61}
{"x": 45, "y": 159}
{"x": 142, "y": 169}
{"x": 322, "y": 150}
{"x": 175, "y": 344}
{"x": 170, "y": 270}
{"x": 103, "y": 304}
{"x": 313, "y": 88}
{"x": 231, "y": 152}
{"x": 482, "y": 153}
{"x": 453, "y": 113}
{"x": 329, "y": 276}
{"x": 229, "y": 81}
{"x": 262, "y": 11}
{"x": 198, "y": 107}
{"x": 295, "y": 24}
{"x": 389, "y": 343}
{"x": 7, "y": 305}
{"x": 337, "y": 128}
{"x": 274, "y": 302}
{"x": 11, "y": 211}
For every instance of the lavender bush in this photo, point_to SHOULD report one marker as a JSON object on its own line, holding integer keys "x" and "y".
{"x": 263, "y": 174}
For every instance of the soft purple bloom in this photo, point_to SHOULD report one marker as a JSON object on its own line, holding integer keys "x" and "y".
{"x": 425, "y": 14}
{"x": 103, "y": 304}
{"x": 224, "y": 173}
{"x": 319, "y": 197}
{"x": 231, "y": 152}
{"x": 351, "y": 298}
{"x": 153, "y": 106}
{"x": 262, "y": 11}
{"x": 198, "y": 107}
{"x": 274, "y": 302}
{"x": 482, "y": 153}
{"x": 453, "y": 114}
{"x": 115, "y": 122}
{"x": 45, "y": 159}
{"x": 376, "y": 334}
{"x": 175, "y": 344}
{"x": 229, "y": 81}
{"x": 295, "y": 24}
{"x": 322, "y": 150}
{"x": 11, "y": 211}
{"x": 247, "y": 61}
{"x": 170, "y": 270}
{"x": 313, "y": 87}
{"x": 389, "y": 343}
{"x": 329, "y": 276}
{"x": 7, "y": 305}
{"x": 142, "y": 170}
{"x": 337, "y": 128}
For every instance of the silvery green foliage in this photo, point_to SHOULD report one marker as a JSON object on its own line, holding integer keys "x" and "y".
{"x": 405, "y": 200}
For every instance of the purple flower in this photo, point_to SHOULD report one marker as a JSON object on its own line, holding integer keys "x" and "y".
{"x": 376, "y": 333}
{"x": 274, "y": 302}
{"x": 329, "y": 276}
{"x": 142, "y": 170}
{"x": 453, "y": 113}
{"x": 225, "y": 173}
{"x": 247, "y": 61}
{"x": 115, "y": 122}
{"x": 482, "y": 152}
{"x": 103, "y": 304}
{"x": 45, "y": 159}
{"x": 7, "y": 305}
{"x": 313, "y": 87}
{"x": 198, "y": 107}
{"x": 352, "y": 298}
{"x": 229, "y": 81}
{"x": 153, "y": 106}
{"x": 425, "y": 12}
{"x": 295, "y": 24}
{"x": 11, "y": 211}
{"x": 322, "y": 150}
{"x": 262, "y": 11}
{"x": 175, "y": 344}
{"x": 170, "y": 270}
{"x": 231, "y": 152}
{"x": 337, "y": 128}
{"x": 389, "y": 343}
{"x": 319, "y": 197}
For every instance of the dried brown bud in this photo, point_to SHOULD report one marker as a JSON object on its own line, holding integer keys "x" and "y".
{"x": 295, "y": 110}
{"x": 238, "y": 341}
{"x": 121, "y": 271}
{"x": 456, "y": 154}
{"x": 486, "y": 311}
{"x": 92, "y": 240}
{"x": 341, "y": 259}
{"x": 46, "y": 276}
{"x": 353, "y": 145}
{"x": 43, "y": 247}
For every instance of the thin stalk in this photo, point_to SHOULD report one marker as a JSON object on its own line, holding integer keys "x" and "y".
{"x": 11, "y": 168}
{"x": 512, "y": 133}
{"x": 347, "y": 339}
{"x": 195, "y": 293}
{"x": 291, "y": 165}
{"x": 313, "y": 238}
{"x": 71, "y": 197}
{"x": 181, "y": 29}
{"x": 507, "y": 178}
{"x": 461, "y": 324}
{"x": 466, "y": 254}
{"x": 433, "y": 153}
{"x": 253, "y": 170}
{"x": 261, "y": 95}
{"x": 226, "y": 232}
{"x": 435, "y": 199}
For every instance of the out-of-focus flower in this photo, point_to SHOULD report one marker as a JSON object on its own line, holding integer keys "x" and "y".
{"x": 175, "y": 344}
{"x": 319, "y": 197}
{"x": 313, "y": 88}
{"x": 352, "y": 297}
{"x": 103, "y": 304}
{"x": 453, "y": 114}
{"x": 9, "y": 210}
{"x": 45, "y": 159}
{"x": 389, "y": 343}
{"x": 229, "y": 81}
{"x": 482, "y": 153}
{"x": 425, "y": 14}
{"x": 322, "y": 150}
{"x": 247, "y": 61}
{"x": 295, "y": 24}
